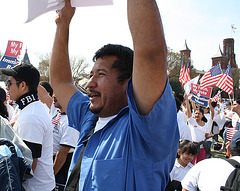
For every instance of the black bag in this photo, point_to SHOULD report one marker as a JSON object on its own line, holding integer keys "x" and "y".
{"x": 173, "y": 185}
{"x": 73, "y": 180}
{"x": 233, "y": 181}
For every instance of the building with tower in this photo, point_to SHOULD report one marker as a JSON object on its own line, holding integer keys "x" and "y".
{"x": 26, "y": 59}
{"x": 186, "y": 52}
{"x": 225, "y": 56}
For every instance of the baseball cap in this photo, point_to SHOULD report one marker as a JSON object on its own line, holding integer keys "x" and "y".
{"x": 235, "y": 142}
{"x": 2, "y": 95}
{"x": 26, "y": 72}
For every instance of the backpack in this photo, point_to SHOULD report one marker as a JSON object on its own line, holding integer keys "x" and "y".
{"x": 233, "y": 181}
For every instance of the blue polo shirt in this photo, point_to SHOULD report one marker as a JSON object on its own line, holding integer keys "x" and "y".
{"x": 132, "y": 152}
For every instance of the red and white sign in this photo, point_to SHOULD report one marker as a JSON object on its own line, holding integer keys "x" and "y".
{"x": 13, "y": 48}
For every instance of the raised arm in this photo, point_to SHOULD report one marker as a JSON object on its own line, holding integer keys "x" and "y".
{"x": 189, "y": 111}
{"x": 44, "y": 96}
{"x": 60, "y": 70}
{"x": 150, "y": 52}
{"x": 211, "y": 108}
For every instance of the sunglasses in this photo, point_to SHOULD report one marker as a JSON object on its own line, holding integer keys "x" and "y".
{"x": 8, "y": 83}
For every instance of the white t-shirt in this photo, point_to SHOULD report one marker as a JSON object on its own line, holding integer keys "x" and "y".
{"x": 182, "y": 116}
{"x": 33, "y": 125}
{"x": 198, "y": 132}
{"x": 184, "y": 130}
{"x": 208, "y": 175}
{"x": 209, "y": 124}
{"x": 229, "y": 113}
{"x": 235, "y": 119}
{"x": 102, "y": 121}
{"x": 178, "y": 172}
{"x": 64, "y": 135}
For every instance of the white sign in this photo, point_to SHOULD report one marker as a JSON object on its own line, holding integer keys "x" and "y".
{"x": 39, "y": 7}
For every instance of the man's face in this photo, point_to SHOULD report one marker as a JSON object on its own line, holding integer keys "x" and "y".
{"x": 56, "y": 103}
{"x": 107, "y": 95}
{"x": 13, "y": 88}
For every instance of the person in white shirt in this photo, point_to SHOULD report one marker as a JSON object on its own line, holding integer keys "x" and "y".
{"x": 64, "y": 137}
{"x": 184, "y": 130}
{"x": 32, "y": 124}
{"x": 185, "y": 154}
{"x": 211, "y": 174}
{"x": 199, "y": 129}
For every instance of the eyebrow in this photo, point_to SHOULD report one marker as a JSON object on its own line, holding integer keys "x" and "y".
{"x": 100, "y": 70}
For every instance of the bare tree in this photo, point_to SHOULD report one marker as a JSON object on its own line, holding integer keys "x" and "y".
{"x": 44, "y": 66}
{"x": 78, "y": 66}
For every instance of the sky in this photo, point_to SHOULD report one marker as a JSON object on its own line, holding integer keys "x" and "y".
{"x": 203, "y": 24}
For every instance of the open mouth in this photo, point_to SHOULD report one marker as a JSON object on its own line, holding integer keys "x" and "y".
{"x": 93, "y": 94}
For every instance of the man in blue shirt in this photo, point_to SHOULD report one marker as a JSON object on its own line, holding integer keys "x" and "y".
{"x": 130, "y": 106}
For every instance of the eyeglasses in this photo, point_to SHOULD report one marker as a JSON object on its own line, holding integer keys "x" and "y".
{"x": 8, "y": 83}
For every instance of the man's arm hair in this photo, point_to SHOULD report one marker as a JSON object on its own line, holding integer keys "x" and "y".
{"x": 150, "y": 53}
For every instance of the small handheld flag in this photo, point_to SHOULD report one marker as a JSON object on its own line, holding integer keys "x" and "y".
{"x": 182, "y": 71}
{"x": 226, "y": 81}
{"x": 211, "y": 77}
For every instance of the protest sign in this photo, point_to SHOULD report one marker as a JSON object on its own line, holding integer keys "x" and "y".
{"x": 37, "y": 7}
{"x": 201, "y": 96}
{"x": 12, "y": 54}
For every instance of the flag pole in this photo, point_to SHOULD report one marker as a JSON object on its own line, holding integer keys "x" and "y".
{"x": 230, "y": 99}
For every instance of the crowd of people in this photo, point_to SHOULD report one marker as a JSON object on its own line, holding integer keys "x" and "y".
{"x": 128, "y": 132}
{"x": 203, "y": 126}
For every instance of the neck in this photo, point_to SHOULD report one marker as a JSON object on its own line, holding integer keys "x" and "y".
{"x": 26, "y": 99}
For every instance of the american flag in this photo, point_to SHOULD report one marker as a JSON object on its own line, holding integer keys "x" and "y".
{"x": 211, "y": 77}
{"x": 56, "y": 118}
{"x": 226, "y": 81}
{"x": 182, "y": 71}
{"x": 187, "y": 74}
{"x": 230, "y": 132}
{"x": 216, "y": 97}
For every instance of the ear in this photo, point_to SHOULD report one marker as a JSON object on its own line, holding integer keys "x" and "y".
{"x": 23, "y": 86}
{"x": 178, "y": 152}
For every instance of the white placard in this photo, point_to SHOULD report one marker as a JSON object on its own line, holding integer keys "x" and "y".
{"x": 39, "y": 7}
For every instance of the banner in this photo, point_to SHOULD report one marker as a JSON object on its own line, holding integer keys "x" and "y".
{"x": 12, "y": 54}
{"x": 201, "y": 96}
{"x": 39, "y": 7}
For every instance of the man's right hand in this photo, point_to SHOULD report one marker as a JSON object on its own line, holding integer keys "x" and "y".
{"x": 65, "y": 14}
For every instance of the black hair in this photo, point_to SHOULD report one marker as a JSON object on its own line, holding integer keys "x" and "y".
{"x": 31, "y": 84}
{"x": 124, "y": 62}
{"x": 214, "y": 104}
{"x": 234, "y": 151}
{"x": 47, "y": 87}
{"x": 179, "y": 99}
{"x": 3, "y": 110}
{"x": 188, "y": 147}
{"x": 238, "y": 101}
{"x": 204, "y": 119}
